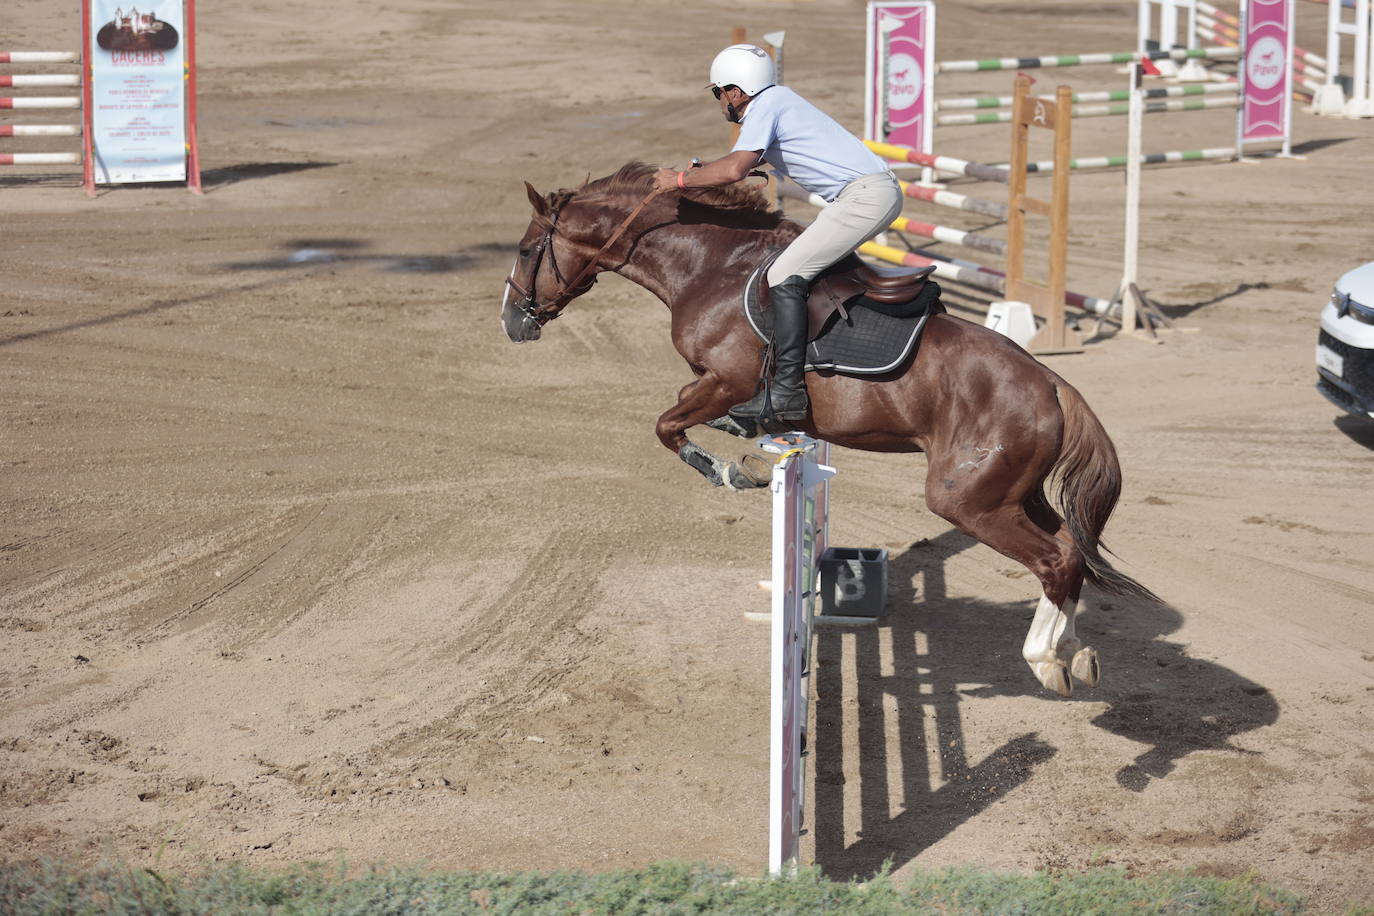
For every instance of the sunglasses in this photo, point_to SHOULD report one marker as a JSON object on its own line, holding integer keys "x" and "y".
{"x": 717, "y": 91}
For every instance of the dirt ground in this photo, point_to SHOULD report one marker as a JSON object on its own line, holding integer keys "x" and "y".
{"x": 299, "y": 555}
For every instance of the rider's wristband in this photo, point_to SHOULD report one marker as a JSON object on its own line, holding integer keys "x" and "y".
{"x": 680, "y": 177}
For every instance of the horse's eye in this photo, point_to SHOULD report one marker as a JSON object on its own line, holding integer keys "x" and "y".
{"x": 524, "y": 253}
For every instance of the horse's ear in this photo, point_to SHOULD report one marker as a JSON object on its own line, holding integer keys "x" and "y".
{"x": 541, "y": 206}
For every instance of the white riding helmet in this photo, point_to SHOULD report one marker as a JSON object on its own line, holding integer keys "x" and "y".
{"x": 747, "y": 66}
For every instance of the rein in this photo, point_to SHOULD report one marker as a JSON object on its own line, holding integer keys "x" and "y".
{"x": 615, "y": 237}
{"x": 529, "y": 306}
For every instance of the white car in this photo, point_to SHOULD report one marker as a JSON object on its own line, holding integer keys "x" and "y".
{"x": 1345, "y": 345}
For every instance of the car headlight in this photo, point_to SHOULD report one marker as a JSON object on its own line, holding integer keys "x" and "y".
{"x": 1341, "y": 301}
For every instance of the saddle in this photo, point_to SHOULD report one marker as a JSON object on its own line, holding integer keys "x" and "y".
{"x": 860, "y": 318}
{"x": 850, "y": 278}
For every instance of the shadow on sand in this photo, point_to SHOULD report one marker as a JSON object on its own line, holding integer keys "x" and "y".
{"x": 214, "y": 179}
{"x": 211, "y": 180}
{"x": 300, "y": 254}
{"x": 1359, "y": 429}
{"x": 943, "y": 650}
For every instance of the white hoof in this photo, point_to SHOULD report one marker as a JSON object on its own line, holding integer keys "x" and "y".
{"x": 1055, "y": 676}
{"x": 1085, "y": 666}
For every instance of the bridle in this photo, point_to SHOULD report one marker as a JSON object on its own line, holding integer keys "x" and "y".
{"x": 569, "y": 290}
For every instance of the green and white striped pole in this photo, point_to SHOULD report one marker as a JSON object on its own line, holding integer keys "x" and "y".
{"x": 1078, "y": 60}
{"x": 1098, "y": 111}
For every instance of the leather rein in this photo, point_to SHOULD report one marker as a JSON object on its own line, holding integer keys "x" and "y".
{"x": 570, "y": 288}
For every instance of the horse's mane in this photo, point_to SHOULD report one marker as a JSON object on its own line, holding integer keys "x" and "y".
{"x": 737, "y": 206}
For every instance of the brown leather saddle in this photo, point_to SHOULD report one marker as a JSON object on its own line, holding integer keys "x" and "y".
{"x": 862, "y": 320}
{"x": 849, "y": 279}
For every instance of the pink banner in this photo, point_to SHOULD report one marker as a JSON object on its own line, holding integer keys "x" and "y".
{"x": 1267, "y": 72}
{"x": 903, "y": 33}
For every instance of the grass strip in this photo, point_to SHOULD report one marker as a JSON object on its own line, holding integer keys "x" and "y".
{"x": 54, "y": 887}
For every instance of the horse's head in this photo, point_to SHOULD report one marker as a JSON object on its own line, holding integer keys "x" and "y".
{"x": 552, "y": 270}
{"x": 573, "y": 236}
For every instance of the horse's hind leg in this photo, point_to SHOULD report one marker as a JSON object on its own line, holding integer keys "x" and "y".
{"x": 1051, "y": 647}
{"x": 1053, "y": 650}
{"x": 986, "y": 498}
{"x": 1082, "y": 660}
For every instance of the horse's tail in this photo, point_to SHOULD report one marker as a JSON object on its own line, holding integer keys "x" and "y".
{"x": 1089, "y": 477}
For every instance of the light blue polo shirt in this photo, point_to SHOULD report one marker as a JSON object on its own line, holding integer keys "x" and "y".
{"x": 804, "y": 143}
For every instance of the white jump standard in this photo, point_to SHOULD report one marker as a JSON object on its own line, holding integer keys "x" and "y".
{"x": 800, "y": 533}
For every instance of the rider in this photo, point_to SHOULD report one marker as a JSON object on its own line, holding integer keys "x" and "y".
{"x": 803, "y": 143}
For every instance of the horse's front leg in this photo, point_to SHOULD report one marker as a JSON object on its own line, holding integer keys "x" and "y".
{"x": 706, "y": 399}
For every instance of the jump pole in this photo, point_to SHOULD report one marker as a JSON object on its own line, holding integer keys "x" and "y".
{"x": 1111, "y": 162}
{"x": 951, "y": 235}
{"x": 1218, "y": 29}
{"x": 941, "y": 163}
{"x": 38, "y": 57}
{"x": 36, "y": 103}
{"x": 1100, "y": 111}
{"x": 998, "y": 173}
{"x": 41, "y": 79}
{"x": 39, "y": 101}
{"x": 1106, "y": 95}
{"x": 953, "y": 200}
{"x": 1078, "y": 60}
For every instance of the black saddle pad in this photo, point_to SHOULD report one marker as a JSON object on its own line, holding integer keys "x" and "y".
{"x": 870, "y": 338}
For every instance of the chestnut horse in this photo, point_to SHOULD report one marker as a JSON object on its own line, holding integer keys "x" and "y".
{"x": 995, "y": 424}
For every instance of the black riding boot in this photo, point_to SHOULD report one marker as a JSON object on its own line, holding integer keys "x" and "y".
{"x": 789, "y": 402}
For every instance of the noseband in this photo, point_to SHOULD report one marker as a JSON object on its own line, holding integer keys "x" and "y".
{"x": 526, "y": 302}
{"x": 569, "y": 290}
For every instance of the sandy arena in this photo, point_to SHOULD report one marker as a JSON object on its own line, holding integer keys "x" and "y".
{"x": 301, "y": 556}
